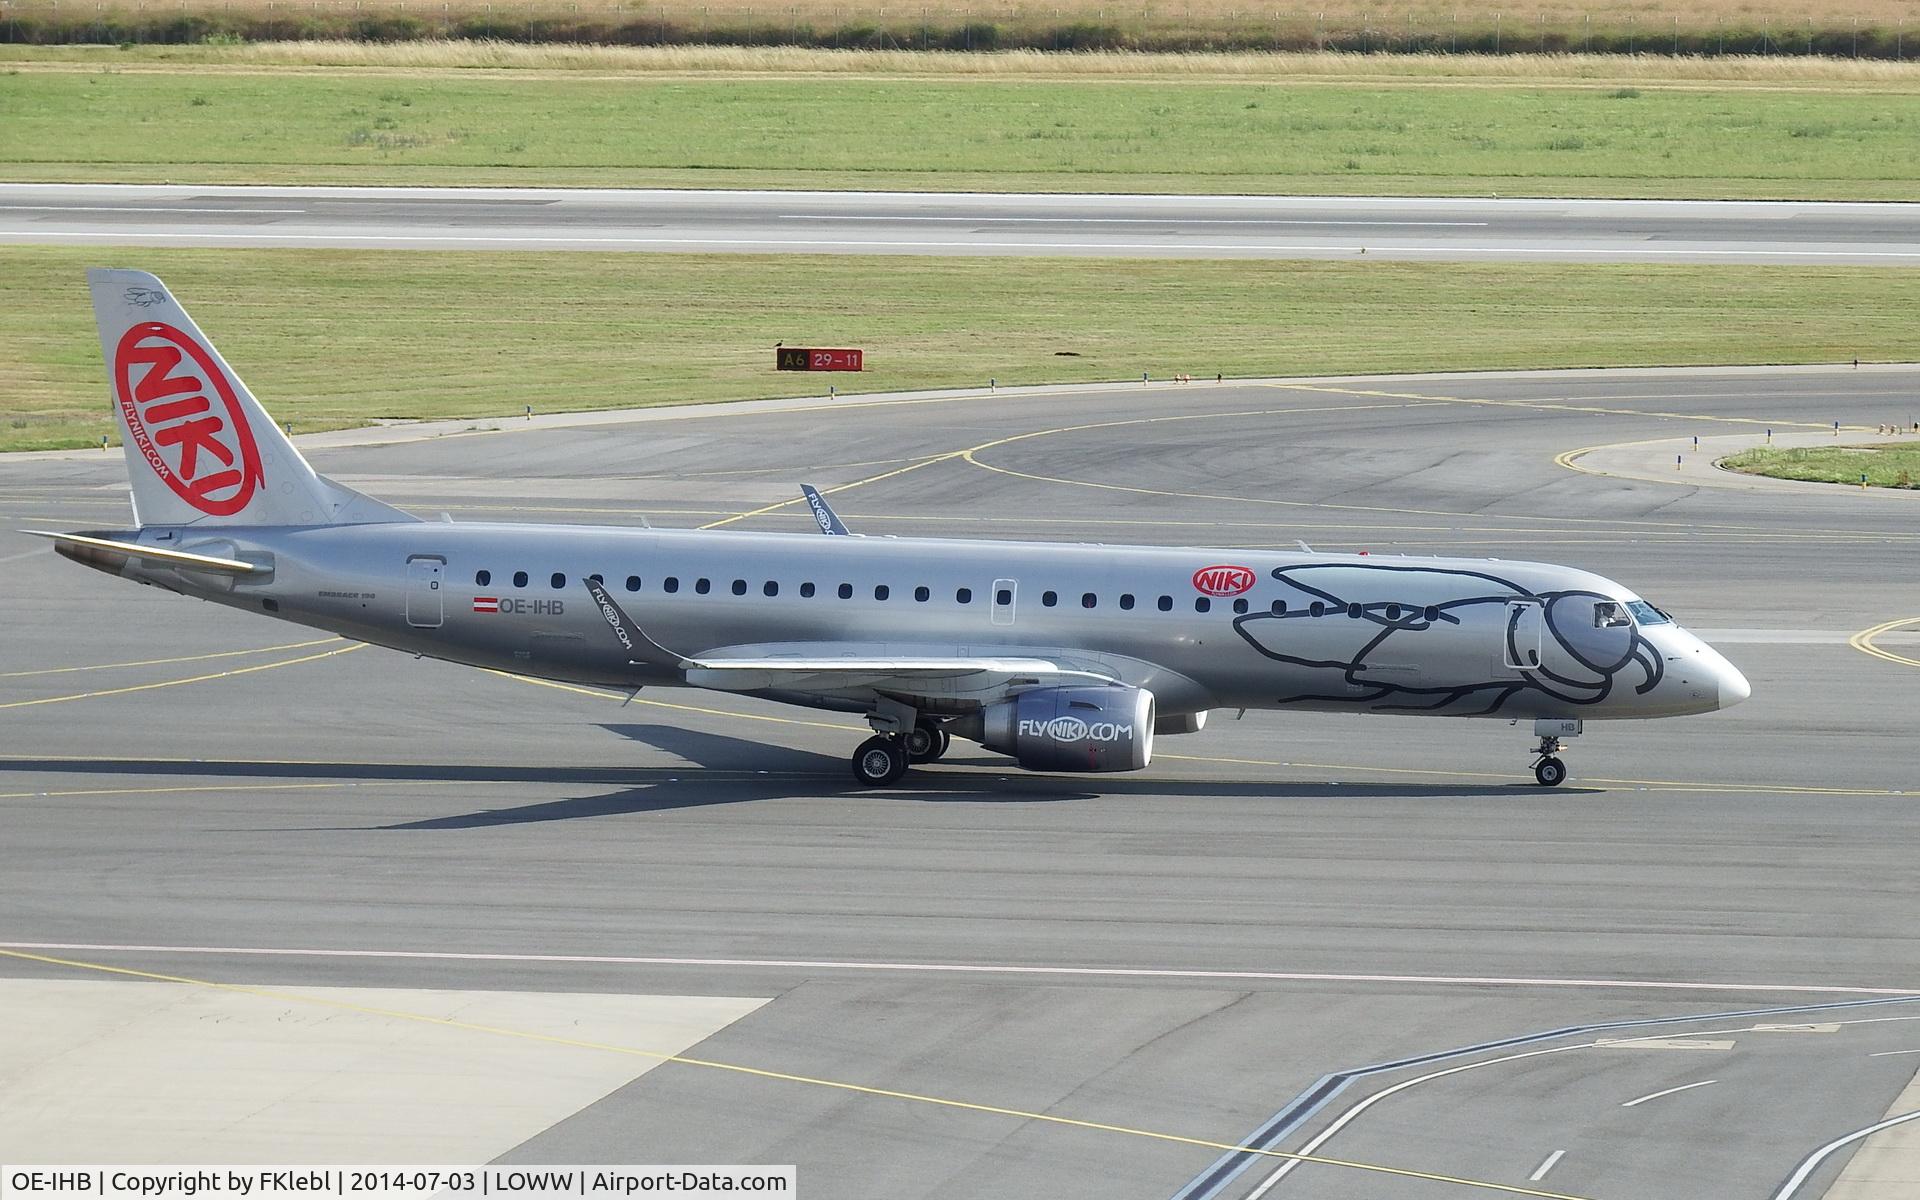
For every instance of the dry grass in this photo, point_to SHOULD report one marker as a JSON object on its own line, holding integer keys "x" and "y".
{"x": 1531, "y": 70}
{"x": 1835, "y": 28}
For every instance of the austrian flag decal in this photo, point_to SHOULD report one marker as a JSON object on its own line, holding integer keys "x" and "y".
{"x": 1222, "y": 580}
{"x": 184, "y": 418}
{"x": 486, "y": 604}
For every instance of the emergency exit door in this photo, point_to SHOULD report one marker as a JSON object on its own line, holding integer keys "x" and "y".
{"x": 1005, "y": 593}
{"x": 426, "y": 607}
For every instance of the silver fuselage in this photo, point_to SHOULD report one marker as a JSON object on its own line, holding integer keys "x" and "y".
{"x": 1331, "y": 632}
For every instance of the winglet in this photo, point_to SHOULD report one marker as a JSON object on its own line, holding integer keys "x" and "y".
{"x": 639, "y": 647}
{"x": 823, "y": 514}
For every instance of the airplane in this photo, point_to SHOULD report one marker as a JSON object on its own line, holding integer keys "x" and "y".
{"x": 1064, "y": 657}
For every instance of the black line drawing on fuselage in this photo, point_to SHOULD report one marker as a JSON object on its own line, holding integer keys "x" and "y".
{"x": 1477, "y": 653}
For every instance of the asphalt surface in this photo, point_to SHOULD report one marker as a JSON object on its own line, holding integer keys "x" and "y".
{"x": 1190, "y": 951}
{"x": 903, "y": 223}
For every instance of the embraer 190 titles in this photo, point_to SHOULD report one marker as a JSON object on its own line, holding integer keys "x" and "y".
{"x": 1064, "y": 657}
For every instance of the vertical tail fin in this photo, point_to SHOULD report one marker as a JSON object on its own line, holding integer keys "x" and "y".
{"x": 199, "y": 446}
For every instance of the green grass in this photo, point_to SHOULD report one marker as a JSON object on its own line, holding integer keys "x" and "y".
{"x": 329, "y": 338}
{"x": 443, "y": 127}
{"x": 1894, "y": 466}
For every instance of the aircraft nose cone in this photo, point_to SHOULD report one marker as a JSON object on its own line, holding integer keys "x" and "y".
{"x": 1733, "y": 685}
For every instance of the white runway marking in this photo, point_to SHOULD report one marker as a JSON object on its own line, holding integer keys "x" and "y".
{"x": 224, "y": 212}
{"x": 1891, "y": 1053}
{"x": 1639, "y": 251}
{"x": 1127, "y": 220}
{"x": 1685, "y": 1087}
{"x": 975, "y": 969}
{"x": 1540, "y": 1172}
{"x": 1819, "y": 1156}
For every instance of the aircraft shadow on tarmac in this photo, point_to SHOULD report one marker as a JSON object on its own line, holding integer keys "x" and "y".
{"x": 722, "y": 769}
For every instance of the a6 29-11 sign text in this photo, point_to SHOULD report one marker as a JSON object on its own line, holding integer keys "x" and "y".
{"x": 797, "y": 358}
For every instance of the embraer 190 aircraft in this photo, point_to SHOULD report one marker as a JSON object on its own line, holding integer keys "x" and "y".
{"x": 1065, "y": 657}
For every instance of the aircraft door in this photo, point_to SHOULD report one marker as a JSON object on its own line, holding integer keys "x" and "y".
{"x": 425, "y": 606}
{"x": 1522, "y": 635}
{"x": 1005, "y": 592}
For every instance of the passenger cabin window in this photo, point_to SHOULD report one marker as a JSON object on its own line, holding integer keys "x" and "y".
{"x": 806, "y": 591}
{"x": 1088, "y": 600}
{"x": 922, "y": 595}
{"x": 1432, "y": 614}
{"x": 739, "y": 587}
{"x": 558, "y": 581}
{"x": 1240, "y": 605}
{"x": 1280, "y": 607}
{"x": 770, "y": 588}
{"x": 846, "y": 591}
{"x": 1126, "y": 601}
{"x": 1608, "y": 614}
{"x": 483, "y": 578}
{"x": 703, "y": 586}
{"x": 1003, "y": 597}
{"x": 1049, "y": 598}
{"x": 1166, "y": 604}
{"x": 1393, "y": 612}
{"x": 633, "y": 583}
{"x": 1354, "y": 611}
{"x": 599, "y": 579}
{"x": 1202, "y": 604}
{"x": 519, "y": 579}
{"x": 881, "y": 591}
{"x": 670, "y": 584}
{"x": 1317, "y": 609}
{"x": 963, "y": 596}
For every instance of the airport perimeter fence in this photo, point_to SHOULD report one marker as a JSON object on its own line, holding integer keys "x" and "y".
{"x": 1142, "y": 28}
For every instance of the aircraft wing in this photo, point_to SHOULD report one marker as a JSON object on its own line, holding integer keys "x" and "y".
{"x": 843, "y": 668}
{"x": 904, "y": 675}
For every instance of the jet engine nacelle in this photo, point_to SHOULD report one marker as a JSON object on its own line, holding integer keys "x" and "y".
{"x": 1069, "y": 728}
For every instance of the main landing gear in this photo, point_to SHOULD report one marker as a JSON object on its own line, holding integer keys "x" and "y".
{"x": 927, "y": 742}
{"x": 883, "y": 758}
{"x": 1548, "y": 770}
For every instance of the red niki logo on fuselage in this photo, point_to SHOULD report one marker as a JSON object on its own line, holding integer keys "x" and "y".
{"x": 186, "y": 421}
{"x": 1223, "y": 580}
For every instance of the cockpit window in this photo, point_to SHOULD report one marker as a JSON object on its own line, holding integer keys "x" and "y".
{"x": 1647, "y": 614}
{"x": 1610, "y": 614}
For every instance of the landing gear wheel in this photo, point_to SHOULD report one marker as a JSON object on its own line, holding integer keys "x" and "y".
{"x": 926, "y": 743}
{"x": 1550, "y": 771}
{"x": 880, "y": 761}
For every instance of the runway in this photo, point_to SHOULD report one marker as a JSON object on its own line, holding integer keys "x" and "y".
{"x": 1464, "y": 230}
{"x": 1370, "y": 940}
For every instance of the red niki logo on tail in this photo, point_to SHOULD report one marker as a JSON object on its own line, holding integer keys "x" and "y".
{"x": 184, "y": 417}
{"x": 1223, "y": 580}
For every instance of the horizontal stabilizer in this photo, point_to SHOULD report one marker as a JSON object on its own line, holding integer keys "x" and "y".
{"x": 94, "y": 551}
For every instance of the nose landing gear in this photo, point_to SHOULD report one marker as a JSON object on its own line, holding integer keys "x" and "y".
{"x": 1548, "y": 770}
